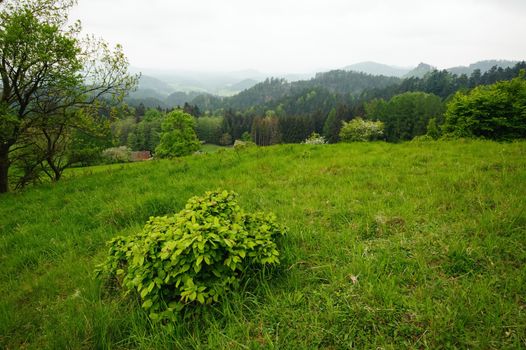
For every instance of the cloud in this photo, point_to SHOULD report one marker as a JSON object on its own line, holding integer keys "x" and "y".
{"x": 293, "y": 35}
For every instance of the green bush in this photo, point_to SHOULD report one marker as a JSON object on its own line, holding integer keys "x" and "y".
{"x": 243, "y": 144}
{"x": 121, "y": 154}
{"x": 315, "y": 139}
{"x": 194, "y": 256}
{"x": 422, "y": 139}
{"x": 361, "y": 130}
{"x": 225, "y": 140}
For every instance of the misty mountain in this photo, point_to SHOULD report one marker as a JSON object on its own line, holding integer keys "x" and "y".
{"x": 149, "y": 85}
{"x": 419, "y": 71}
{"x": 243, "y": 85}
{"x": 171, "y": 90}
{"x": 348, "y": 83}
{"x": 375, "y": 68}
{"x": 179, "y": 98}
{"x": 237, "y": 90}
{"x": 222, "y": 83}
{"x": 483, "y": 66}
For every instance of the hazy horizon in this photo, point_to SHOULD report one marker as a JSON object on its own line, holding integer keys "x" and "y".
{"x": 307, "y": 36}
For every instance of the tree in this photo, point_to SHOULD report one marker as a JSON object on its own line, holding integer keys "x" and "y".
{"x": 147, "y": 131}
{"x": 406, "y": 115}
{"x": 178, "y": 137}
{"x": 236, "y": 124}
{"x": 265, "y": 131}
{"x": 496, "y": 111}
{"x": 209, "y": 129}
{"x": 191, "y": 109}
{"x": 333, "y": 124}
{"x": 432, "y": 129}
{"x": 295, "y": 129}
{"x": 139, "y": 111}
{"x": 48, "y": 73}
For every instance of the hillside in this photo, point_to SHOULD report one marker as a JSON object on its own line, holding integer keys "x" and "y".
{"x": 483, "y": 66}
{"x": 273, "y": 90}
{"x": 243, "y": 89}
{"x": 414, "y": 245}
{"x": 375, "y": 68}
{"x": 419, "y": 71}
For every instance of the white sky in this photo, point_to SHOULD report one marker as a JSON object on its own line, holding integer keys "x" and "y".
{"x": 305, "y": 35}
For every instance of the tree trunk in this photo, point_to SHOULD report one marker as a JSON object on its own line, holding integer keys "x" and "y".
{"x": 57, "y": 171}
{"x": 4, "y": 168}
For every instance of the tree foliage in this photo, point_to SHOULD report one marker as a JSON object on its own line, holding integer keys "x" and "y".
{"x": 295, "y": 129}
{"x": 407, "y": 115}
{"x": 49, "y": 73}
{"x": 496, "y": 111}
{"x": 178, "y": 137}
{"x": 265, "y": 130}
{"x": 209, "y": 129}
{"x": 333, "y": 123}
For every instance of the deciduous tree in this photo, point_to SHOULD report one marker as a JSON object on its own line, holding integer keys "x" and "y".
{"x": 49, "y": 72}
{"x": 178, "y": 137}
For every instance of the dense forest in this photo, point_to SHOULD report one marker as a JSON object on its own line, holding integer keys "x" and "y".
{"x": 295, "y": 110}
{"x": 276, "y": 111}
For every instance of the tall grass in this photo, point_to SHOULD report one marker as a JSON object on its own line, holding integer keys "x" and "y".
{"x": 416, "y": 245}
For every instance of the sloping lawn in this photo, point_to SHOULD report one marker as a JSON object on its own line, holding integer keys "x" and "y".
{"x": 414, "y": 245}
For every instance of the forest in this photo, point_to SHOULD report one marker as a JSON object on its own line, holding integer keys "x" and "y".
{"x": 291, "y": 112}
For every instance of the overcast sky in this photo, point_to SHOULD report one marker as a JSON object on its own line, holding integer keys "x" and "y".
{"x": 304, "y": 35}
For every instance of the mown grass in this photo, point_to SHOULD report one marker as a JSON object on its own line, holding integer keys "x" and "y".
{"x": 416, "y": 245}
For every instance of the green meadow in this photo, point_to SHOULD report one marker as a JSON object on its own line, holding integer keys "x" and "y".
{"x": 391, "y": 246}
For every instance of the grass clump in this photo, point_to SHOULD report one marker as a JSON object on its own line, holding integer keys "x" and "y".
{"x": 194, "y": 256}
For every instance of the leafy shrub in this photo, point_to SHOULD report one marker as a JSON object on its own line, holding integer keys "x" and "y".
{"x": 432, "y": 129}
{"x": 243, "y": 144}
{"x": 194, "y": 256}
{"x": 225, "y": 140}
{"x": 117, "y": 154}
{"x": 422, "y": 139}
{"x": 361, "y": 130}
{"x": 315, "y": 139}
{"x": 246, "y": 137}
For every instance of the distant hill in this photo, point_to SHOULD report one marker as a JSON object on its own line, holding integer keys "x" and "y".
{"x": 275, "y": 89}
{"x": 151, "y": 92}
{"x": 179, "y": 98}
{"x": 160, "y": 87}
{"x": 419, "y": 71}
{"x": 483, "y": 66}
{"x": 242, "y": 89}
{"x": 243, "y": 85}
{"x": 375, "y": 68}
{"x": 219, "y": 83}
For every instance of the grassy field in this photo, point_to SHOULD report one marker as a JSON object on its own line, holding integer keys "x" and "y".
{"x": 415, "y": 245}
{"x": 209, "y": 148}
